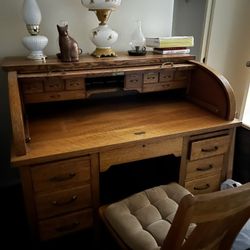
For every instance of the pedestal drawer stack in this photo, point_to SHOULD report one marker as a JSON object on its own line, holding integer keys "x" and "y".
{"x": 63, "y": 197}
{"x": 205, "y": 164}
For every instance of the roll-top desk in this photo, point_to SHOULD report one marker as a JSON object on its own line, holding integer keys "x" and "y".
{"x": 72, "y": 121}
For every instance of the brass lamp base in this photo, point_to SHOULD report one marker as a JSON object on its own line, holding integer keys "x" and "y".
{"x": 103, "y": 52}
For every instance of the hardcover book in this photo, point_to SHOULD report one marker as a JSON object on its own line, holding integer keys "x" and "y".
{"x": 171, "y": 51}
{"x": 169, "y": 42}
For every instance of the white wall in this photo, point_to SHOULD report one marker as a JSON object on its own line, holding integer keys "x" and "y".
{"x": 156, "y": 17}
{"x": 188, "y": 19}
{"x": 229, "y": 45}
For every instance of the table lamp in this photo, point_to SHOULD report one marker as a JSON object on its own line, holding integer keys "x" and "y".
{"x": 102, "y": 36}
{"x": 34, "y": 43}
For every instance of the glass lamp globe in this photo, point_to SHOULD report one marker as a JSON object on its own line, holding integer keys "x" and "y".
{"x": 137, "y": 43}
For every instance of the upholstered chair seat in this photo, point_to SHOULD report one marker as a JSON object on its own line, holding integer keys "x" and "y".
{"x": 143, "y": 219}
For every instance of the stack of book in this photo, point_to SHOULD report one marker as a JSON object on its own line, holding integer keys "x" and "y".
{"x": 170, "y": 45}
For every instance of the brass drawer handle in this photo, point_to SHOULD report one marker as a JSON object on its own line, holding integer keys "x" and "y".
{"x": 210, "y": 166}
{"x": 73, "y": 198}
{"x": 167, "y": 63}
{"x": 204, "y": 187}
{"x": 60, "y": 178}
{"x": 207, "y": 150}
{"x": 68, "y": 227}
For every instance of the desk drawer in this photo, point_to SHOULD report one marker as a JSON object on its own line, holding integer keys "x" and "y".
{"x": 55, "y": 96}
{"x": 164, "y": 86}
{"x": 209, "y": 147}
{"x": 133, "y": 81}
{"x": 54, "y": 84}
{"x": 150, "y": 77}
{"x": 74, "y": 83}
{"x": 63, "y": 201}
{"x": 61, "y": 174}
{"x": 140, "y": 151}
{"x": 166, "y": 75}
{"x": 204, "y": 185}
{"x": 31, "y": 86}
{"x": 65, "y": 224}
{"x": 201, "y": 168}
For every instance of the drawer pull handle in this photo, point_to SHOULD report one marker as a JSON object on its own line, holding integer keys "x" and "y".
{"x": 68, "y": 227}
{"x": 167, "y": 63}
{"x": 73, "y": 198}
{"x": 140, "y": 133}
{"x": 204, "y": 187}
{"x": 207, "y": 150}
{"x": 60, "y": 178}
{"x": 210, "y": 166}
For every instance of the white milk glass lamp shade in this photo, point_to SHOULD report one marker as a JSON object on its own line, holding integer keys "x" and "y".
{"x": 101, "y": 4}
{"x": 31, "y": 12}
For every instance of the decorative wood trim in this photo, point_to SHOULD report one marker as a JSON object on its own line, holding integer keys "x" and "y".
{"x": 230, "y": 158}
{"x": 87, "y": 62}
{"x": 94, "y": 158}
{"x": 27, "y": 186}
{"x": 183, "y": 165}
{"x": 16, "y": 115}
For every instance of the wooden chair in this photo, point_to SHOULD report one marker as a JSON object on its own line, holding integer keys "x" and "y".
{"x": 170, "y": 217}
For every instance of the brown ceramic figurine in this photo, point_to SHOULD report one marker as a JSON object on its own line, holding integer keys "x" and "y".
{"x": 69, "y": 49}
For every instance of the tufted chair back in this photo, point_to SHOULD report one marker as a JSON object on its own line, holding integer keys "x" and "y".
{"x": 169, "y": 217}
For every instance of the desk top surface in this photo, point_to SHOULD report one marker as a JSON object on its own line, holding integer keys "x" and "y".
{"x": 92, "y": 126}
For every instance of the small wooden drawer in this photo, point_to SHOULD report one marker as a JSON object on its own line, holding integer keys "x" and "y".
{"x": 164, "y": 86}
{"x": 204, "y": 185}
{"x": 60, "y": 226}
{"x": 202, "y": 168}
{"x": 133, "y": 81}
{"x": 54, "y": 84}
{"x": 166, "y": 75}
{"x": 33, "y": 85}
{"x": 209, "y": 147}
{"x": 150, "y": 77}
{"x": 61, "y": 174}
{"x": 74, "y": 83}
{"x": 140, "y": 151}
{"x": 55, "y": 96}
{"x": 60, "y": 202}
{"x": 181, "y": 74}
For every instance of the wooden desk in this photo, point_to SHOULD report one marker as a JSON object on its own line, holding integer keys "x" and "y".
{"x": 72, "y": 121}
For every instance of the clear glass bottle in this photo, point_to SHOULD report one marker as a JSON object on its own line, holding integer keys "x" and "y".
{"x": 137, "y": 39}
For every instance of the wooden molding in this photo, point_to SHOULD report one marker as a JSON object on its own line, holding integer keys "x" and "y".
{"x": 16, "y": 115}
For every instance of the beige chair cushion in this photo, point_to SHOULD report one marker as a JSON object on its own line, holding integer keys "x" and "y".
{"x": 143, "y": 220}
